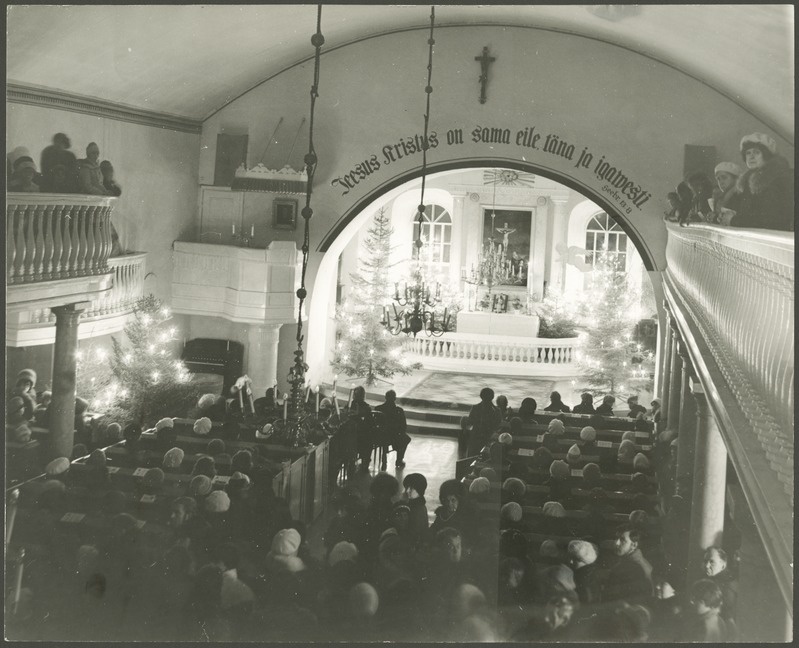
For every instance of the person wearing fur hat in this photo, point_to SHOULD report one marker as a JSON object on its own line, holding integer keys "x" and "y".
{"x": 505, "y": 411}
{"x": 556, "y": 404}
{"x": 726, "y": 198}
{"x": 485, "y": 419}
{"x": 283, "y": 555}
{"x": 765, "y": 188}
{"x": 24, "y": 176}
{"x": 454, "y": 511}
{"x": 415, "y": 486}
{"x": 635, "y": 408}
{"x": 26, "y": 383}
{"x": 582, "y": 557}
{"x": 513, "y": 490}
{"x": 586, "y": 404}
{"x": 587, "y": 441}
{"x": 592, "y": 476}
{"x": 173, "y": 459}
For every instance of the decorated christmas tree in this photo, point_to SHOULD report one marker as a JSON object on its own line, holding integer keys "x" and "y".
{"x": 611, "y": 362}
{"x": 142, "y": 380}
{"x": 364, "y": 348}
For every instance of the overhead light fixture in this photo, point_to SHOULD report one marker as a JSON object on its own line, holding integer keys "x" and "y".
{"x": 413, "y": 309}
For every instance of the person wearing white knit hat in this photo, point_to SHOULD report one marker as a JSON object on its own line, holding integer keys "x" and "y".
{"x": 765, "y": 188}
{"x": 342, "y": 551}
{"x": 573, "y": 455}
{"x": 583, "y": 556}
{"x": 202, "y": 426}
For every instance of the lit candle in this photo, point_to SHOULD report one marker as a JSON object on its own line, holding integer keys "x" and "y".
{"x": 335, "y": 380}
{"x": 241, "y": 401}
{"x": 349, "y": 402}
{"x": 252, "y": 230}
{"x": 233, "y": 229}
{"x": 252, "y": 404}
{"x": 338, "y": 411}
{"x": 285, "y": 407}
{"x": 396, "y": 290}
{"x": 317, "y": 399}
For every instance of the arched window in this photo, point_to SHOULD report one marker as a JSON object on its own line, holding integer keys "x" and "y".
{"x": 602, "y": 232}
{"x": 436, "y": 234}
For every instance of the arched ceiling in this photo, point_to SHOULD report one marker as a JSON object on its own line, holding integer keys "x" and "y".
{"x": 190, "y": 60}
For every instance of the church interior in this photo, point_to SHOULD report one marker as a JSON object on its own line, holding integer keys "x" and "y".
{"x": 407, "y": 323}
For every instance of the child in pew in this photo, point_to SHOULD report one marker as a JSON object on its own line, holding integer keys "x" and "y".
{"x": 527, "y": 411}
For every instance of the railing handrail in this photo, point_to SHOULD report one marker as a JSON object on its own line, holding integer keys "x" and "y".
{"x": 774, "y": 246}
{"x": 36, "y": 198}
{"x": 125, "y": 258}
{"x": 487, "y": 338}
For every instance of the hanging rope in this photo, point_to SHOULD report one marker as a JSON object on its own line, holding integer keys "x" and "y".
{"x": 317, "y": 40}
{"x": 428, "y": 90}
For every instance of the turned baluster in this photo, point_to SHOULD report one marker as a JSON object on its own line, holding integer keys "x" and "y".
{"x": 58, "y": 242}
{"x": 47, "y": 229}
{"x": 37, "y": 226}
{"x": 70, "y": 240}
{"x": 103, "y": 237}
{"x": 91, "y": 265}
{"x": 11, "y": 246}
{"x": 30, "y": 244}
{"x": 82, "y": 261}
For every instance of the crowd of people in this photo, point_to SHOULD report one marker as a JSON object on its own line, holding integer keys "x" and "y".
{"x": 759, "y": 196}
{"x": 61, "y": 171}
{"x": 176, "y": 553}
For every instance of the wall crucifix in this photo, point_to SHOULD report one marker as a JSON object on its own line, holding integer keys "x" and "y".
{"x": 485, "y": 60}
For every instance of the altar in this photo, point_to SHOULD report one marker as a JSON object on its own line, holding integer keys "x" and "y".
{"x": 498, "y": 324}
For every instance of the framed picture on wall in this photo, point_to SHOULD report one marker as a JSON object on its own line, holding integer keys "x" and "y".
{"x": 284, "y": 214}
{"x": 511, "y": 229}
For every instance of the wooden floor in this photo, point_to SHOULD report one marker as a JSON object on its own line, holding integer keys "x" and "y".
{"x": 434, "y": 457}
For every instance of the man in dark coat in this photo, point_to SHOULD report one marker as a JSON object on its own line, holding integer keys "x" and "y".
{"x": 485, "y": 419}
{"x": 393, "y": 428}
{"x": 59, "y": 166}
{"x": 631, "y": 577}
{"x": 361, "y": 412}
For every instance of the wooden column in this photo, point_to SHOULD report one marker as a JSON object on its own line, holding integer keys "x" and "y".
{"x": 710, "y": 476}
{"x": 62, "y": 406}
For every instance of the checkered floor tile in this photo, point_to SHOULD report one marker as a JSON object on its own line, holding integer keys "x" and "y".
{"x": 465, "y": 388}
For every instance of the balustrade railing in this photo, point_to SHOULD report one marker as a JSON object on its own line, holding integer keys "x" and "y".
{"x": 128, "y": 286}
{"x": 54, "y": 236}
{"x": 740, "y": 284}
{"x": 493, "y": 349}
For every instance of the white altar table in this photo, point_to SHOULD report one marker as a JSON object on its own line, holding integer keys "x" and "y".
{"x": 498, "y": 324}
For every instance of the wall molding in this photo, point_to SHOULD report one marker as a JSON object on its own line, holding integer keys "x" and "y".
{"x": 60, "y": 100}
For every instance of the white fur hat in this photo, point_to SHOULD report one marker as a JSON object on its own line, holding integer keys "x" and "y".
{"x": 165, "y": 423}
{"x": 342, "y": 551}
{"x": 556, "y": 426}
{"x": 202, "y": 426}
{"x": 479, "y": 486}
{"x": 727, "y": 167}
{"x": 505, "y": 438}
{"x": 759, "y": 138}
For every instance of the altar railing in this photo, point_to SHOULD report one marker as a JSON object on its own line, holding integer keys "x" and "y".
{"x": 739, "y": 285}
{"x": 476, "y": 353}
{"x": 55, "y": 236}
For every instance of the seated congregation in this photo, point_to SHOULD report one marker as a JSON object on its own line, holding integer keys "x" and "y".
{"x": 561, "y": 527}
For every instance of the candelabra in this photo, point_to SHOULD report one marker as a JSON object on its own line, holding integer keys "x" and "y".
{"x": 415, "y": 313}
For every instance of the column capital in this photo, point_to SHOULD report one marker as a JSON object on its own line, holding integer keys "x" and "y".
{"x": 75, "y": 308}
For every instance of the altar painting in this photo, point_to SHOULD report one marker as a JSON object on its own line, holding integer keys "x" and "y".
{"x": 512, "y": 230}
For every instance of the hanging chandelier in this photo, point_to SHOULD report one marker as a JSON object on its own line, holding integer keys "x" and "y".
{"x": 493, "y": 266}
{"x": 300, "y": 424}
{"x": 413, "y": 308}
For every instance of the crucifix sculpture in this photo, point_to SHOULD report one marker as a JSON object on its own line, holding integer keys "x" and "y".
{"x": 485, "y": 60}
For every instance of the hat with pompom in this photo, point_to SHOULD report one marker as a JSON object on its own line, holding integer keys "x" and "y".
{"x": 556, "y": 426}
{"x": 573, "y": 455}
{"x": 641, "y": 462}
{"x": 479, "y": 486}
{"x": 511, "y": 511}
{"x": 505, "y": 439}
{"x": 217, "y": 501}
{"x": 200, "y": 485}
{"x": 57, "y": 467}
{"x": 173, "y": 458}
{"x": 164, "y": 423}
{"x": 765, "y": 142}
{"x": 342, "y": 551}
{"x": 559, "y": 469}
{"x": 587, "y": 433}
{"x": 554, "y": 509}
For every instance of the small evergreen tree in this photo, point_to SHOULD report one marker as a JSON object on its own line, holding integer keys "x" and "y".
{"x": 143, "y": 380}
{"x": 365, "y": 349}
{"x": 610, "y": 360}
